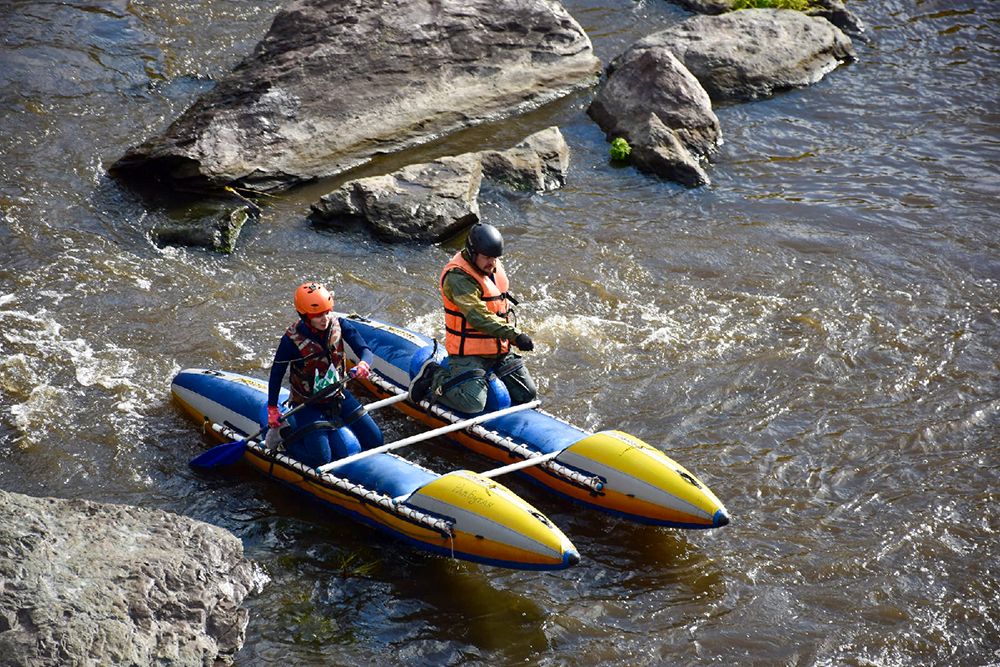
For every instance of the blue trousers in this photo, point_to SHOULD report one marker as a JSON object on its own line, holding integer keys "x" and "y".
{"x": 324, "y": 445}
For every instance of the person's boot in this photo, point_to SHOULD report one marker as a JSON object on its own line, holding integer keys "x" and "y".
{"x": 423, "y": 381}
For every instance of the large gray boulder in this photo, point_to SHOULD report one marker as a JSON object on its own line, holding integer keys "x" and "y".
{"x": 335, "y": 82}
{"x": 85, "y": 583}
{"x": 652, "y": 101}
{"x": 753, "y": 53}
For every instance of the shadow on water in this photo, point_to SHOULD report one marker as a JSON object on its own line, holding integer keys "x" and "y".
{"x": 335, "y": 581}
{"x": 639, "y": 557}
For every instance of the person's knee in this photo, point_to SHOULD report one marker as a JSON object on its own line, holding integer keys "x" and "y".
{"x": 311, "y": 452}
{"x": 521, "y": 388}
{"x": 468, "y": 397}
{"x": 530, "y": 394}
{"x": 344, "y": 442}
{"x": 367, "y": 432}
{"x": 464, "y": 404}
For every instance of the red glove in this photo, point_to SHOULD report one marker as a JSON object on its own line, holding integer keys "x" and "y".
{"x": 360, "y": 371}
{"x": 273, "y": 416}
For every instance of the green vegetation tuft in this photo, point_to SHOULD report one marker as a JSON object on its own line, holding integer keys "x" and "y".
{"x": 620, "y": 150}
{"x": 797, "y": 5}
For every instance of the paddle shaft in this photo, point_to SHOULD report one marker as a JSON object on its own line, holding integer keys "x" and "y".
{"x": 230, "y": 452}
{"x": 326, "y": 392}
{"x": 368, "y": 408}
{"x": 427, "y": 435}
{"x": 281, "y": 419}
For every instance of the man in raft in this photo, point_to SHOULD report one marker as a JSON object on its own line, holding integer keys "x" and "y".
{"x": 313, "y": 350}
{"x": 479, "y": 333}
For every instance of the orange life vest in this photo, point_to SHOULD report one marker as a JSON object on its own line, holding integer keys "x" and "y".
{"x": 460, "y": 338}
{"x": 315, "y": 357}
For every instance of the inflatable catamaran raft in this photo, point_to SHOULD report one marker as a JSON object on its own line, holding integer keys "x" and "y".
{"x": 610, "y": 470}
{"x": 463, "y": 514}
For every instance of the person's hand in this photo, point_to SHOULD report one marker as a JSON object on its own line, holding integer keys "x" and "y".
{"x": 273, "y": 416}
{"x": 524, "y": 342}
{"x": 360, "y": 371}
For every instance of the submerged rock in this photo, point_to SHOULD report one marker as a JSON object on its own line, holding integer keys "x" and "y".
{"x": 335, "y": 82}
{"x": 90, "y": 583}
{"x": 209, "y": 223}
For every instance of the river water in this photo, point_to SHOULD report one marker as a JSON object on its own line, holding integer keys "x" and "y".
{"x": 815, "y": 335}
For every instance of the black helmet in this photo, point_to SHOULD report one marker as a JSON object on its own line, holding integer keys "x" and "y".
{"x": 484, "y": 239}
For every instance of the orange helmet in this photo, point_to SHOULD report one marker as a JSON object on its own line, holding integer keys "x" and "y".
{"x": 313, "y": 299}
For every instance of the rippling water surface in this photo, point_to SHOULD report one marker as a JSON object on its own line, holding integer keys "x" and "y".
{"x": 815, "y": 335}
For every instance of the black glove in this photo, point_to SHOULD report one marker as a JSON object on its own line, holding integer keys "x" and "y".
{"x": 524, "y": 342}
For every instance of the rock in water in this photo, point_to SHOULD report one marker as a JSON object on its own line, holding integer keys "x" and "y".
{"x": 652, "y": 101}
{"x": 434, "y": 201}
{"x": 335, "y": 82}
{"x": 86, "y": 583}
{"x": 753, "y": 53}
{"x": 430, "y": 201}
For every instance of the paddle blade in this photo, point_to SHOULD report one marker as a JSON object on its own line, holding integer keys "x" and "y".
{"x": 221, "y": 455}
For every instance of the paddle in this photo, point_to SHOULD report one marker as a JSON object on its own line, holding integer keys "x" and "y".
{"x": 427, "y": 435}
{"x": 230, "y": 452}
